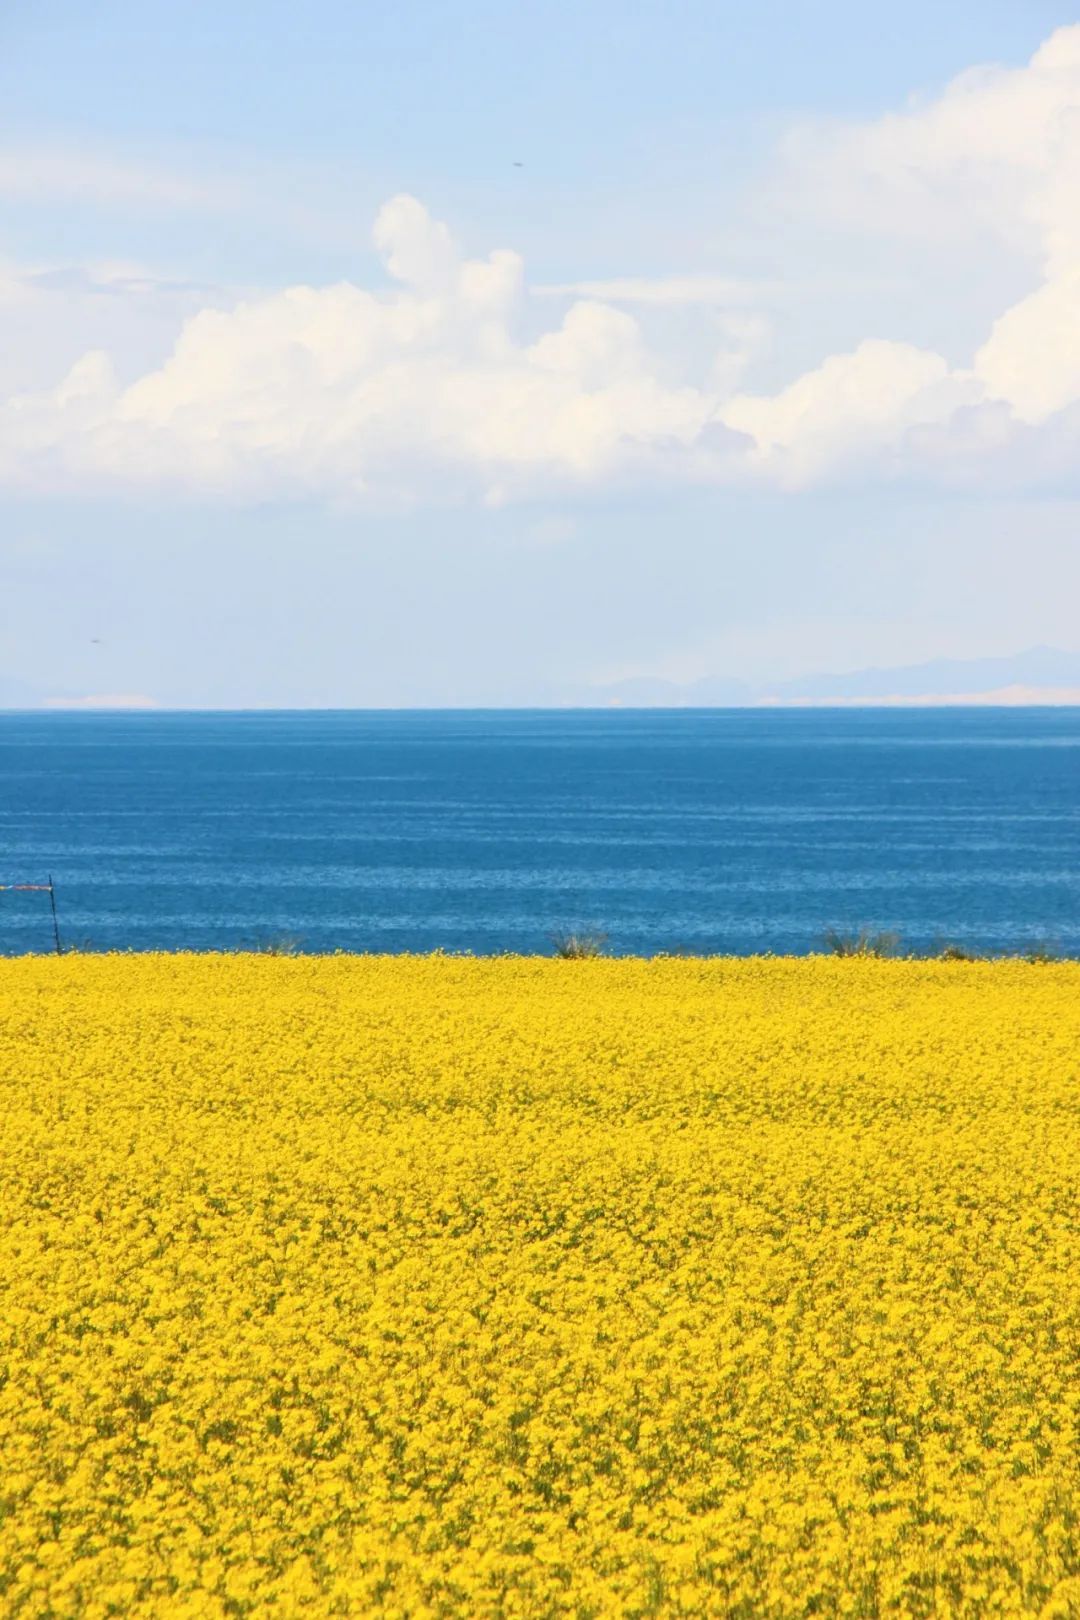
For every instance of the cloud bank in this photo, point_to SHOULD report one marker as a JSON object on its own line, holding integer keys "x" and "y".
{"x": 453, "y": 383}
{"x": 422, "y": 389}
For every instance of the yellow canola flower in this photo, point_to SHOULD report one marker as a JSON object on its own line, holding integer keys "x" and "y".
{"x": 439, "y": 1287}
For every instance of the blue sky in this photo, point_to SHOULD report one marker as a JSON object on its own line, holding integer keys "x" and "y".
{"x": 469, "y": 353}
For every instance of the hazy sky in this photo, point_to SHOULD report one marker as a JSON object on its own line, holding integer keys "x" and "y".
{"x": 480, "y": 353}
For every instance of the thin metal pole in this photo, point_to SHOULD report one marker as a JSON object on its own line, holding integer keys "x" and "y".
{"x": 55, "y": 924}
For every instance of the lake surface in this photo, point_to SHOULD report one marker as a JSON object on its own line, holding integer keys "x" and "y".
{"x": 707, "y": 830}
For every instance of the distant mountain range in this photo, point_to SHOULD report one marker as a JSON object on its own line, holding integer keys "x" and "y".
{"x": 1040, "y": 675}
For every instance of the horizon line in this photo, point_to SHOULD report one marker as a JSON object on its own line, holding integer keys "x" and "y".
{"x": 761, "y": 707}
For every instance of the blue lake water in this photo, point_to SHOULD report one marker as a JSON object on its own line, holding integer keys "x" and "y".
{"x": 709, "y": 830}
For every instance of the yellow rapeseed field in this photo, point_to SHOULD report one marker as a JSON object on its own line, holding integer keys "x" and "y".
{"x": 438, "y": 1286}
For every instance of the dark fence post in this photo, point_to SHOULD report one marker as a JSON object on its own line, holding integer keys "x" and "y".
{"x": 55, "y": 924}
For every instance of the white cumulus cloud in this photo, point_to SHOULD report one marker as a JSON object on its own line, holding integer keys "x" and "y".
{"x": 455, "y": 381}
{"x": 851, "y": 406}
{"x": 998, "y": 152}
{"x": 423, "y": 389}
{"x": 1032, "y": 356}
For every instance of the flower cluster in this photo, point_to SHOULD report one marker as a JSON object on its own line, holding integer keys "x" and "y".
{"x": 518, "y": 1287}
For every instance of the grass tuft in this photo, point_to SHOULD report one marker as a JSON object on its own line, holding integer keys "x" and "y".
{"x": 574, "y": 947}
{"x": 864, "y": 942}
